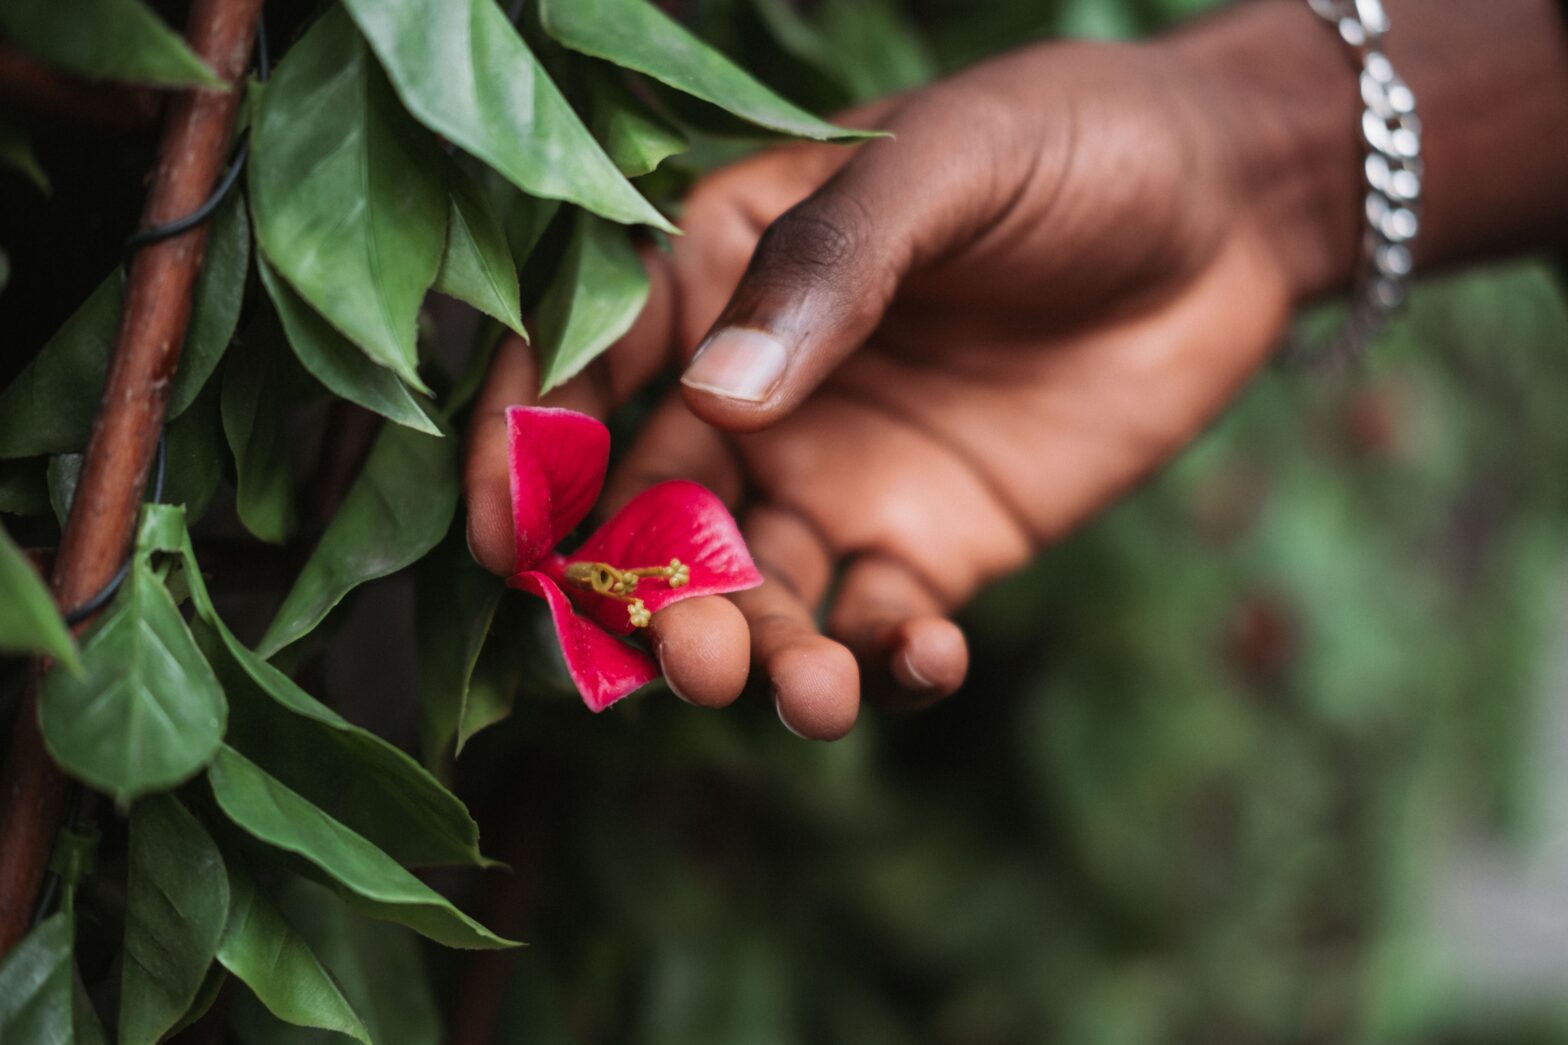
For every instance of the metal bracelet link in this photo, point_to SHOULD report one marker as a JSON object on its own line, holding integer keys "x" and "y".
{"x": 1391, "y": 133}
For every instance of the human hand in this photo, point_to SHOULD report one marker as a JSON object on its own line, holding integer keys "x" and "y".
{"x": 946, "y": 349}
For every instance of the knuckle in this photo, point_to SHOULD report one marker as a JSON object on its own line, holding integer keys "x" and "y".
{"x": 810, "y": 242}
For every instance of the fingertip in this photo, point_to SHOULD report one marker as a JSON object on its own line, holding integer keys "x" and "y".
{"x": 816, "y": 688}
{"x": 490, "y": 537}
{"x": 930, "y": 657}
{"x": 704, "y": 649}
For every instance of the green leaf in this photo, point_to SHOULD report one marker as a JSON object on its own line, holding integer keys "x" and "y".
{"x": 256, "y": 392}
{"x": 193, "y": 466}
{"x": 49, "y": 408}
{"x": 105, "y": 40}
{"x": 465, "y": 73}
{"x": 597, "y": 293}
{"x": 16, "y": 152}
{"x": 377, "y": 964}
{"x": 334, "y": 360}
{"x": 525, "y": 218}
{"x": 374, "y": 788}
{"x": 64, "y": 470}
{"x": 147, "y": 712}
{"x": 367, "y": 877}
{"x": 354, "y": 776}
{"x": 347, "y": 194}
{"x": 637, "y": 138}
{"x": 177, "y": 900}
{"x": 636, "y": 35}
{"x": 455, "y": 601}
{"x": 477, "y": 266}
{"x": 868, "y": 47}
{"x": 29, "y": 619}
{"x": 35, "y": 986}
{"x": 194, "y": 445}
{"x": 206, "y": 997}
{"x": 262, "y": 949}
{"x": 396, "y": 511}
{"x": 84, "y": 1018}
{"x": 24, "y": 486}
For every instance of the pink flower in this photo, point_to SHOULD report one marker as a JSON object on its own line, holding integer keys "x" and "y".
{"x": 671, "y": 542}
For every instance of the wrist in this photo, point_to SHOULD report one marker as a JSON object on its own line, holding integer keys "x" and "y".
{"x": 1491, "y": 85}
{"x": 1284, "y": 94}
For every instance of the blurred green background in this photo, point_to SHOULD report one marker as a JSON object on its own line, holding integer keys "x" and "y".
{"x": 1260, "y": 756}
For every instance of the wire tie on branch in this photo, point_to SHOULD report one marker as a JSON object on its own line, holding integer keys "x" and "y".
{"x": 147, "y": 237}
{"x": 99, "y": 599}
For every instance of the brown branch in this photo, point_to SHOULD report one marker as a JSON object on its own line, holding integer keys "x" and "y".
{"x": 28, "y": 85}
{"x": 98, "y": 533}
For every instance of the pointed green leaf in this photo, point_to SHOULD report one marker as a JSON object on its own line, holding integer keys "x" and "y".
{"x": 35, "y": 986}
{"x": 193, "y": 446}
{"x": 356, "y": 777}
{"x": 29, "y": 620}
{"x": 636, "y": 35}
{"x": 455, "y": 601}
{"x": 255, "y": 393}
{"x": 334, "y": 360}
{"x": 177, "y": 900}
{"x": 373, "y": 787}
{"x": 105, "y": 40}
{"x": 495, "y": 679}
{"x": 84, "y": 1018}
{"x": 64, "y": 470}
{"x": 477, "y": 266}
{"x": 465, "y": 73}
{"x": 195, "y": 450}
{"x": 377, "y": 964}
{"x": 525, "y": 219}
{"x": 49, "y": 408}
{"x": 597, "y": 293}
{"x": 367, "y": 877}
{"x": 396, "y": 511}
{"x": 868, "y": 47}
{"x": 637, "y": 138}
{"x": 206, "y": 997}
{"x": 147, "y": 711}
{"x": 16, "y": 152}
{"x": 263, "y": 950}
{"x": 347, "y": 194}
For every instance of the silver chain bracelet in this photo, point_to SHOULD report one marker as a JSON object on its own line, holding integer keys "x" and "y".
{"x": 1391, "y": 133}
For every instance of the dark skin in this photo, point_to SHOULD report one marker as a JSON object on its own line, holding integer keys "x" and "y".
{"x": 931, "y": 356}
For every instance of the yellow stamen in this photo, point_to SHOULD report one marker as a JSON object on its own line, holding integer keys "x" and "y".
{"x": 615, "y": 583}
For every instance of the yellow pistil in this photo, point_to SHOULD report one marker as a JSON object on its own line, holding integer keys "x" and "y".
{"x": 615, "y": 583}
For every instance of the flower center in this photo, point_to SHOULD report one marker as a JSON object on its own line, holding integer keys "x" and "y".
{"x": 620, "y": 584}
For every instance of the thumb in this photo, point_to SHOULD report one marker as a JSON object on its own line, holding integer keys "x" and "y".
{"x": 816, "y": 288}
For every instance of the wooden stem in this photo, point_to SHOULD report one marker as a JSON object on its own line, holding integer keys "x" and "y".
{"x": 191, "y": 156}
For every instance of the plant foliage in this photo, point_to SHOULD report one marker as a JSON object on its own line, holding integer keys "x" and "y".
{"x": 396, "y": 149}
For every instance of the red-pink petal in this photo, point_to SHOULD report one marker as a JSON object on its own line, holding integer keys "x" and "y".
{"x": 674, "y": 520}
{"x": 604, "y": 668}
{"x": 558, "y": 460}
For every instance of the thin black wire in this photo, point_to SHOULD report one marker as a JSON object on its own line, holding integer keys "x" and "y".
{"x": 104, "y": 594}
{"x": 158, "y": 233}
{"x": 135, "y": 242}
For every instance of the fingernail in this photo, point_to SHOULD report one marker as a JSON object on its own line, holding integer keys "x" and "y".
{"x": 739, "y": 364}
{"x": 780, "y": 709}
{"x": 908, "y": 675}
{"x": 658, "y": 652}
